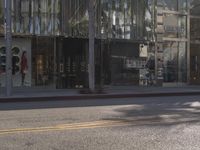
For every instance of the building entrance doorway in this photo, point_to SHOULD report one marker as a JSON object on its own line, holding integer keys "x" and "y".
{"x": 174, "y": 62}
{"x": 72, "y": 64}
{"x": 194, "y": 63}
{"x": 43, "y": 61}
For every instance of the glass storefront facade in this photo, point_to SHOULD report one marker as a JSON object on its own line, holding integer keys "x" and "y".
{"x": 195, "y": 42}
{"x": 36, "y": 17}
{"x": 174, "y": 62}
{"x": 127, "y": 19}
{"x": 173, "y": 40}
{"x": 57, "y": 35}
{"x": 136, "y": 42}
{"x": 121, "y": 19}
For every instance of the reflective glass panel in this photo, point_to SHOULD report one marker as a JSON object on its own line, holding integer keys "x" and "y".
{"x": 127, "y": 19}
{"x": 76, "y": 18}
{"x": 195, "y": 7}
{"x": 182, "y": 5}
{"x": 40, "y": 17}
{"x": 170, "y": 4}
{"x": 175, "y": 26}
{"x": 175, "y": 68}
{"x": 1, "y": 17}
{"x": 174, "y": 5}
{"x": 194, "y": 29}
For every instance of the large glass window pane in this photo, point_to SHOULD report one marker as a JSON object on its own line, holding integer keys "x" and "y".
{"x": 182, "y": 5}
{"x": 36, "y": 17}
{"x": 194, "y": 63}
{"x": 127, "y": 19}
{"x": 175, "y": 68}
{"x": 76, "y": 18}
{"x": 43, "y": 61}
{"x": 104, "y": 19}
{"x": 47, "y": 17}
{"x": 175, "y": 26}
{"x": 149, "y": 20}
{"x": 182, "y": 62}
{"x": 169, "y": 4}
{"x": 170, "y": 64}
{"x": 194, "y": 29}
{"x": 113, "y": 19}
{"x": 174, "y": 5}
{"x": 43, "y": 6}
{"x": 118, "y": 23}
{"x": 195, "y": 7}
{"x": 98, "y": 14}
{"x": 1, "y": 17}
{"x": 20, "y": 13}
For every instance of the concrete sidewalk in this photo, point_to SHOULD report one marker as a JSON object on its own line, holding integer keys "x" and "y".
{"x": 47, "y": 94}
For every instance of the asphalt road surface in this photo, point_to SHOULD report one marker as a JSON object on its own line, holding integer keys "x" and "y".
{"x": 166, "y": 123}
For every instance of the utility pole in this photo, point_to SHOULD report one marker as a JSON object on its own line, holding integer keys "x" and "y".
{"x": 8, "y": 41}
{"x": 91, "y": 66}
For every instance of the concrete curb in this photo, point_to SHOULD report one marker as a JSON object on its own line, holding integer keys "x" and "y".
{"x": 94, "y": 96}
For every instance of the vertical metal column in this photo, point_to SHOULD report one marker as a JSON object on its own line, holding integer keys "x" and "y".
{"x": 155, "y": 38}
{"x": 188, "y": 43}
{"x": 55, "y": 62}
{"x": 8, "y": 40}
{"x": 91, "y": 66}
{"x": 102, "y": 43}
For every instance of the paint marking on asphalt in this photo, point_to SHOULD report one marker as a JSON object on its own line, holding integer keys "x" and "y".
{"x": 90, "y": 125}
{"x": 73, "y": 126}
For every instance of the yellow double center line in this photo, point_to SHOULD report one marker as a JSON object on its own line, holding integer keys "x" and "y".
{"x": 72, "y": 126}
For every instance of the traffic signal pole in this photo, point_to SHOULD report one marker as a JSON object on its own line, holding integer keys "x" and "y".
{"x": 8, "y": 41}
{"x": 91, "y": 66}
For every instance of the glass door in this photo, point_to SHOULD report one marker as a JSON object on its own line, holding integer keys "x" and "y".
{"x": 72, "y": 63}
{"x": 43, "y": 61}
{"x": 170, "y": 63}
{"x": 175, "y": 62}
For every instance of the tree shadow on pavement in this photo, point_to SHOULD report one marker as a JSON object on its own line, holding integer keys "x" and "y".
{"x": 169, "y": 112}
{"x": 136, "y": 111}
